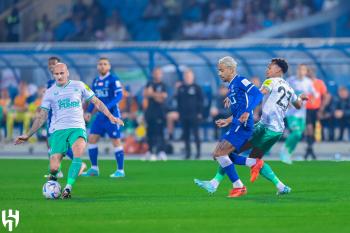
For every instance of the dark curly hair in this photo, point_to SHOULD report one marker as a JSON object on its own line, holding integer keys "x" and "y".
{"x": 282, "y": 63}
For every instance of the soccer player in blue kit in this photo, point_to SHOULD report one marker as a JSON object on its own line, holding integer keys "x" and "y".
{"x": 244, "y": 97}
{"x": 108, "y": 89}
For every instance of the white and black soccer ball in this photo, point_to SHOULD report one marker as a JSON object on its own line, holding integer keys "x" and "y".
{"x": 52, "y": 190}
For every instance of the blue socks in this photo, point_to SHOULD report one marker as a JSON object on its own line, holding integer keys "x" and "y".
{"x": 238, "y": 159}
{"x": 119, "y": 156}
{"x": 226, "y": 163}
{"x": 118, "y": 152}
{"x": 231, "y": 172}
{"x": 93, "y": 154}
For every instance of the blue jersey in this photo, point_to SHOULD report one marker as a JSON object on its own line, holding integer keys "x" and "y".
{"x": 109, "y": 90}
{"x": 50, "y": 83}
{"x": 244, "y": 97}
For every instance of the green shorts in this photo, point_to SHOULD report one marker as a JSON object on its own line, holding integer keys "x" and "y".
{"x": 264, "y": 138}
{"x": 63, "y": 139}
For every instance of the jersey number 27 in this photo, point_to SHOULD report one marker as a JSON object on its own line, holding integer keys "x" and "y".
{"x": 283, "y": 101}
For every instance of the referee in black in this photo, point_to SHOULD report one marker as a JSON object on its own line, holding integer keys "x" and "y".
{"x": 190, "y": 107}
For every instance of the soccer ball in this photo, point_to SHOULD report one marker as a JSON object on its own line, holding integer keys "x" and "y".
{"x": 52, "y": 190}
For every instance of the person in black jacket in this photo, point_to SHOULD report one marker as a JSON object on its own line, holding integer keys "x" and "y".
{"x": 155, "y": 96}
{"x": 342, "y": 111}
{"x": 190, "y": 107}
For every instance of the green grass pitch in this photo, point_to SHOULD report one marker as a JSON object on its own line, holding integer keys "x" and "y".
{"x": 161, "y": 197}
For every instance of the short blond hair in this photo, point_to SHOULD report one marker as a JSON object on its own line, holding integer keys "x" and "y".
{"x": 228, "y": 61}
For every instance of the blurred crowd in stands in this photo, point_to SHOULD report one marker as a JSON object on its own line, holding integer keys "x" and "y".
{"x": 191, "y": 113}
{"x": 146, "y": 20}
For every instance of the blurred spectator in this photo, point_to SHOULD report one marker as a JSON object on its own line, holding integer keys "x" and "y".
{"x": 115, "y": 30}
{"x": 5, "y": 103}
{"x": 300, "y": 10}
{"x": 189, "y": 102}
{"x": 342, "y": 111}
{"x": 12, "y": 25}
{"x": 315, "y": 105}
{"x": 154, "y": 104}
{"x": 218, "y": 111}
{"x": 170, "y": 26}
{"x": 129, "y": 108}
{"x": 207, "y": 101}
{"x": 33, "y": 107}
{"x": 96, "y": 13}
{"x": 172, "y": 115}
{"x": 154, "y": 10}
{"x": 327, "y": 119}
{"x": 43, "y": 28}
{"x": 18, "y": 112}
{"x": 80, "y": 9}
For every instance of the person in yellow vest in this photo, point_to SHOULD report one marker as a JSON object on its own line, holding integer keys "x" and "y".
{"x": 18, "y": 112}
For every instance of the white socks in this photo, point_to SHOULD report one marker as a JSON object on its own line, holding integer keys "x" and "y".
{"x": 250, "y": 162}
{"x": 238, "y": 184}
{"x": 214, "y": 183}
{"x": 224, "y": 161}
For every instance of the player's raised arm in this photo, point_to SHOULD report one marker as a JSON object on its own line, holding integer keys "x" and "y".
{"x": 298, "y": 103}
{"x": 39, "y": 120}
{"x": 103, "y": 108}
{"x": 254, "y": 97}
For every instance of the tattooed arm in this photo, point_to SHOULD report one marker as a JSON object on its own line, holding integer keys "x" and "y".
{"x": 39, "y": 120}
{"x": 103, "y": 108}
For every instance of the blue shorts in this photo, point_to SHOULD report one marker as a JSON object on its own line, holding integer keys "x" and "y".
{"x": 238, "y": 136}
{"x": 102, "y": 125}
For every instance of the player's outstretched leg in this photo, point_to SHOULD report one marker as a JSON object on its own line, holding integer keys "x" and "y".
{"x": 254, "y": 164}
{"x": 119, "y": 157}
{"x": 211, "y": 185}
{"x": 93, "y": 154}
{"x": 267, "y": 172}
{"x": 221, "y": 155}
{"x": 73, "y": 172}
{"x": 54, "y": 167}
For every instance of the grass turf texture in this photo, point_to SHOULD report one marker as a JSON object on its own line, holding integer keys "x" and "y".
{"x": 161, "y": 197}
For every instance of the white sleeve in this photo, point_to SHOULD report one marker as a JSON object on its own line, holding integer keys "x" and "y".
{"x": 294, "y": 97}
{"x": 46, "y": 103}
{"x": 87, "y": 93}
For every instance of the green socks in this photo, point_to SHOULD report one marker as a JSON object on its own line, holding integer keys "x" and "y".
{"x": 74, "y": 169}
{"x": 220, "y": 174}
{"x": 267, "y": 172}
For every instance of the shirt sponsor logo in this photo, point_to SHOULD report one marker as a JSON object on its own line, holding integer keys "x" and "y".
{"x": 67, "y": 103}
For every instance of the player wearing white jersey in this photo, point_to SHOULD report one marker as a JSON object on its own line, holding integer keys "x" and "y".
{"x": 67, "y": 128}
{"x": 296, "y": 118}
{"x": 278, "y": 96}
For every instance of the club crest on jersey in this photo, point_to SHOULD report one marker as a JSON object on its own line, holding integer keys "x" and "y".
{"x": 100, "y": 84}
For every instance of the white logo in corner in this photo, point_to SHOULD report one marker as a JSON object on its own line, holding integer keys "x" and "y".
{"x": 10, "y": 219}
{"x": 246, "y": 82}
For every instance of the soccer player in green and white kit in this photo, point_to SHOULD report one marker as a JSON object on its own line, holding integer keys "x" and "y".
{"x": 278, "y": 96}
{"x": 296, "y": 118}
{"x": 67, "y": 128}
